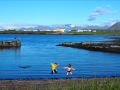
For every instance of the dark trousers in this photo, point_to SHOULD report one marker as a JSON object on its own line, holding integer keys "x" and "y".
{"x": 54, "y": 71}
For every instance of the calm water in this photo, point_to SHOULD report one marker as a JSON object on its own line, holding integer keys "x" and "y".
{"x": 37, "y": 51}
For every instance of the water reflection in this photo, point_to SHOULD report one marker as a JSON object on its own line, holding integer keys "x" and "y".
{"x": 13, "y": 49}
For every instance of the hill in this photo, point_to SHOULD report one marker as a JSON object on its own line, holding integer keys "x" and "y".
{"x": 116, "y": 26}
{"x": 67, "y": 26}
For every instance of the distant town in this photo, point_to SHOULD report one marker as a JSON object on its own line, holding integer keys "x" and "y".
{"x": 114, "y": 29}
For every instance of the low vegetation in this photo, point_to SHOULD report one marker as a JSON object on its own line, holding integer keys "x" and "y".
{"x": 106, "y": 83}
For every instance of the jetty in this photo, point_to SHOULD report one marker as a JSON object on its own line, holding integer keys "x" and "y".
{"x": 10, "y": 43}
{"x": 112, "y": 45}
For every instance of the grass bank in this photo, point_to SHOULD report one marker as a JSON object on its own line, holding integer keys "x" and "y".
{"x": 106, "y": 83}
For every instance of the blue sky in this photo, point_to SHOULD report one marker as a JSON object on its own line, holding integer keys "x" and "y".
{"x": 31, "y": 13}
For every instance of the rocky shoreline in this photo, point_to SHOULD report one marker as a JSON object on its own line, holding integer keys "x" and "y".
{"x": 111, "y": 45}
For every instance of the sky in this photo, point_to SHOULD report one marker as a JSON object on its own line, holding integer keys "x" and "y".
{"x": 31, "y": 13}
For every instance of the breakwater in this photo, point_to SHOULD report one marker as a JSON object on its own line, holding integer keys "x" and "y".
{"x": 9, "y": 43}
{"x": 112, "y": 46}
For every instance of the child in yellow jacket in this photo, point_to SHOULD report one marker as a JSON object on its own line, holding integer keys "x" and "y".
{"x": 54, "y": 66}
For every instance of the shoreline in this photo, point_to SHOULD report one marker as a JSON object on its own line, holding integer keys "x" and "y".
{"x": 58, "y": 78}
{"x": 42, "y": 84}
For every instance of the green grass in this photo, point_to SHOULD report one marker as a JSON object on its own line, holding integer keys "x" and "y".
{"x": 108, "y": 83}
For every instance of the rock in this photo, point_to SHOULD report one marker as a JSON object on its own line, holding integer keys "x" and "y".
{"x": 107, "y": 46}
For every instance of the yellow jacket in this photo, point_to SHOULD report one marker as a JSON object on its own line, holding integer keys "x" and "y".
{"x": 53, "y": 66}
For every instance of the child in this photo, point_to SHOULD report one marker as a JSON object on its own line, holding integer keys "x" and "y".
{"x": 54, "y": 66}
{"x": 69, "y": 69}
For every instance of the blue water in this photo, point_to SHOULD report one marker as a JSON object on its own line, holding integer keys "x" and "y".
{"x": 37, "y": 51}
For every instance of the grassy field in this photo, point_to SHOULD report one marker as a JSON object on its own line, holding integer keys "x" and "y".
{"x": 104, "y": 83}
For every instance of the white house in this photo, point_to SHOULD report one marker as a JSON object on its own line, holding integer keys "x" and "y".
{"x": 60, "y": 30}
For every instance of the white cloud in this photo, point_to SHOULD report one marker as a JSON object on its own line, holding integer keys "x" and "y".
{"x": 93, "y": 16}
{"x": 110, "y": 22}
{"x": 99, "y": 11}
{"x": 8, "y": 27}
{"x": 16, "y": 25}
{"x": 112, "y": 11}
{"x": 109, "y": 6}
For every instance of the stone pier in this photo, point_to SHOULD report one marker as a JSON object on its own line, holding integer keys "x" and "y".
{"x": 107, "y": 46}
{"x": 10, "y": 43}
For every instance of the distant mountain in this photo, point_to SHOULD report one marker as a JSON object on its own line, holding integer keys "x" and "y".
{"x": 38, "y": 27}
{"x": 67, "y": 26}
{"x": 116, "y": 26}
